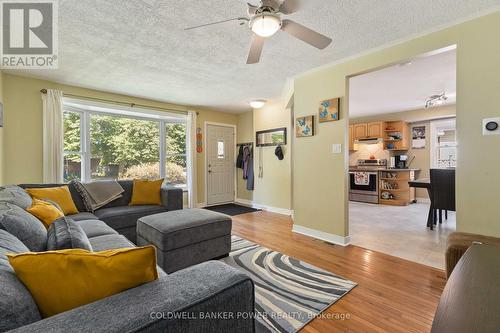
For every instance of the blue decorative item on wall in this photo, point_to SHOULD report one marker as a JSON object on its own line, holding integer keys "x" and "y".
{"x": 329, "y": 110}
{"x": 304, "y": 126}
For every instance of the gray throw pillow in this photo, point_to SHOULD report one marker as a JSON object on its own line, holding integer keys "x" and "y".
{"x": 15, "y": 195}
{"x": 64, "y": 234}
{"x": 17, "y": 306}
{"x": 27, "y": 228}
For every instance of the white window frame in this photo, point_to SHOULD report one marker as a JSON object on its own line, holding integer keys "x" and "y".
{"x": 451, "y": 123}
{"x": 87, "y": 109}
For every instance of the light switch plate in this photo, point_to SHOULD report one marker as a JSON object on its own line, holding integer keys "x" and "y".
{"x": 337, "y": 148}
{"x": 491, "y": 126}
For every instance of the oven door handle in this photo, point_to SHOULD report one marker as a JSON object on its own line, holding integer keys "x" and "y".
{"x": 369, "y": 172}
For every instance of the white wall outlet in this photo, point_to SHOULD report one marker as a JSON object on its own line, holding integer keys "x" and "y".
{"x": 491, "y": 126}
{"x": 337, "y": 148}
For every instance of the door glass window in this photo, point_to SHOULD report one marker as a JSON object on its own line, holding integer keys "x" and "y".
{"x": 220, "y": 149}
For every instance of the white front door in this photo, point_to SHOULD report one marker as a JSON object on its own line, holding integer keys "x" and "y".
{"x": 220, "y": 164}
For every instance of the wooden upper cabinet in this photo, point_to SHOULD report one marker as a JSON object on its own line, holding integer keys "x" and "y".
{"x": 375, "y": 130}
{"x": 360, "y": 131}
{"x": 351, "y": 137}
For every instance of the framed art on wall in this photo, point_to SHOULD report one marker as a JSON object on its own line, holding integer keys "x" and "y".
{"x": 329, "y": 110}
{"x": 304, "y": 126}
{"x": 418, "y": 137}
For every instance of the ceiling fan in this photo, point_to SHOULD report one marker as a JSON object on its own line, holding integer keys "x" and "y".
{"x": 266, "y": 20}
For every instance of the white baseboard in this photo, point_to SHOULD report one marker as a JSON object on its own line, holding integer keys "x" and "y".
{"x": 202, "y": 204}
{"x": 423, "y": 200}
{"x": 244, "y": 202}
{"x": 330, "y": 238}
{"x": 277, "y": 210}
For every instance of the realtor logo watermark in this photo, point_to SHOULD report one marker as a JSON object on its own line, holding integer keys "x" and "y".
{"x": 29, "y": 38}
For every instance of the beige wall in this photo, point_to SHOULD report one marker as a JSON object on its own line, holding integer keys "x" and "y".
{"x": 1, "y": 135}
{"x": 274, "y": 188}
{"x": 215, "y": 117}
{"x": 245, "y": 134}
{"x": 23, "y": 125}
{"x": 421, "y": 117}
{"x": 320, "y": 198}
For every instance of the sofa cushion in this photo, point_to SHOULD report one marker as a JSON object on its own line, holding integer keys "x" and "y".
{"x": 179, "y": 228}
{"x": 83, "y": 216}
{"x": 45, "y": 211}
{"x": 15, "y": 195}
{"x": 17, "y": 307}
{"x": 108, "y": 242}
{"x": 126, "y": 216}
{"x": 61, "y": 195}
{"x": 95, "y": 228}
{"x": 64, "y": 234}
{"x": 63, "y": 280}
{"x": 146, "y": 192}
{"x": 77, "y": 199}
{"x": 27, "y": 228}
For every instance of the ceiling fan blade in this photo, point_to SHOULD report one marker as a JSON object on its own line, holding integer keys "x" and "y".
{"x": 289, "y": 6}
{"x": 255, "y": 49}
{"x": 252, "y": 9}
{"x": 305, "y": 34}
{"x": 218, "y": 22}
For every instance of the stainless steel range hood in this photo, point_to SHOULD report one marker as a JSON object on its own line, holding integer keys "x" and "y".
{"x": 369, "y": 141}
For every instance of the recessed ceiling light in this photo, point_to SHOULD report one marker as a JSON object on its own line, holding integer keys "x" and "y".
{"x": 257, "y": 104}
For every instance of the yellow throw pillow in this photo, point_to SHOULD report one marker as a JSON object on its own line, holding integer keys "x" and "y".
{"x": 63, "y": 280}
{"x": 146, "y": 192}
{"x": 45, "y": 212}
{"x": 59, "y": 195}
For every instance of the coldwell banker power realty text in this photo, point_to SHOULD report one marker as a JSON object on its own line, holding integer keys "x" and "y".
{"x": 29, "y": 34}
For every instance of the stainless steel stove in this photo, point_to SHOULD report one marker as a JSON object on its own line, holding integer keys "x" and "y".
{"x": 366, "y": 192}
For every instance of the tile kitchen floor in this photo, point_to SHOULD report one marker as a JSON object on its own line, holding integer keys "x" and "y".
{"x": 400, "y": 231}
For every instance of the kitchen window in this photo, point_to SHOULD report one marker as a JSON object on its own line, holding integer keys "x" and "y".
{"x": 443, "y": 144}
{"x": 106, "y": 142}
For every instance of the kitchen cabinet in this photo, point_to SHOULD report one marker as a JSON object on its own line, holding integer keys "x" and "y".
{"x": 396, "y": 136}
{"x": 394, "y": 188}
{"x": 360, "y": 131}
{"x": 375, "y": 130}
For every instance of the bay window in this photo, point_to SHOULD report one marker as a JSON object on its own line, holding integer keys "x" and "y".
{"x": 105, "y": 142}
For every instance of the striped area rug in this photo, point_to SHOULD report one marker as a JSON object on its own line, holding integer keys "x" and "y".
{"x": 288, "y": 292}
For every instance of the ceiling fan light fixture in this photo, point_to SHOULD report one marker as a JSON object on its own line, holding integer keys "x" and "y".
{"x": 258, "y": 104}
{"x": 265, "y": 25}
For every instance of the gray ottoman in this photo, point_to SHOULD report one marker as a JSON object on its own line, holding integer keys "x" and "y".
{"x": 186, "y": 237}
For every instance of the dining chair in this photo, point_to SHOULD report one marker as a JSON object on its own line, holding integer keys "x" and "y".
{"x": 443, "y": 192}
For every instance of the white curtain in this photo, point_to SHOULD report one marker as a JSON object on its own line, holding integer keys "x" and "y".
{"x": 191, "y": 160}
{"x": 53, "y": 136}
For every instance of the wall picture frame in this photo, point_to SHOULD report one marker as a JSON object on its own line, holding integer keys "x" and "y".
{"x": 329, "y": 110}
{"x": 304, "y": 126}
{"x": 418, "y": 137}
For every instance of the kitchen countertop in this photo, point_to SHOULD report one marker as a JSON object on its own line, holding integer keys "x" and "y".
{"x": 354, "y": 168}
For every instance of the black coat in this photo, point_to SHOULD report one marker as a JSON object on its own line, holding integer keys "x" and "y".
{"x": 239, "y": 159}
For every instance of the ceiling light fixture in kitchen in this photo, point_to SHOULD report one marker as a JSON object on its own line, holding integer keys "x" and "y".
{"x": 436, "y": 100}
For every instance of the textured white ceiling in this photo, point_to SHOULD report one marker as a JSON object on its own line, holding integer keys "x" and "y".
{"x": 139, "y": 47}
{"x": 404, "y": 87}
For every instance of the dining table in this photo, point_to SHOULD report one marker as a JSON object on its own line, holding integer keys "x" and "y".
{"x": 425, "y": 183}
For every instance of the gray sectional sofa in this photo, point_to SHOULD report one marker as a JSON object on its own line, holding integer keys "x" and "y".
{"x": 118, "y": 214}
{"x": 209, "y": 297}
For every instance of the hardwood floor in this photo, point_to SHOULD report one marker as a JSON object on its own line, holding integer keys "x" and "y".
{"x": 393, "y": 295}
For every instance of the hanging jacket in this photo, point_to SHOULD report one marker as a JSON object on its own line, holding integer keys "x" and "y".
{"x": 246, "y": 159}
{"x": 239, "y": 159}
{"x": 250, "y": 175}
